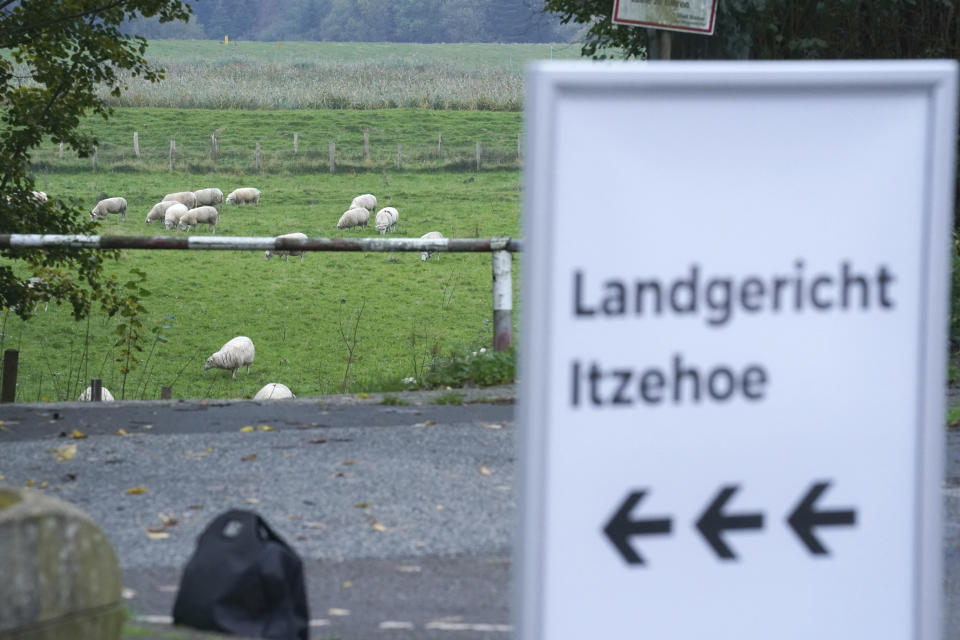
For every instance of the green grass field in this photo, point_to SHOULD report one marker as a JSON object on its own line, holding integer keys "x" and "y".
{"x": 297, "y": 314}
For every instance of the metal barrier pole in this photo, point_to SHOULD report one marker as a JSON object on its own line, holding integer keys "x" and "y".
{"x": 502, "y": 300}
{"x": 8, "y": 392}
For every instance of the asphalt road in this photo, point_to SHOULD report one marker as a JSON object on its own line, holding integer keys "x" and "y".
{"x": 403, "y": 514}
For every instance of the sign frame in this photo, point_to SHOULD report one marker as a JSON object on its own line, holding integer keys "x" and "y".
{"x": 551, "y": 83}
{"x": 652, "y": 18}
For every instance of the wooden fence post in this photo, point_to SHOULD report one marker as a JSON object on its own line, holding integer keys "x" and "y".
{"x": 399, "y": 155}
{"x": 173, "y": 153}
{"x": 93, "y": 158}
{"x": 96, "y": 390}
{"x": 366, "y": 146}
{"x": 296, "y": 142}
{"x": 478, "y": 155}
{"x": 166, "y": 393}
{"x": 256, "y": 156}
{"x": 8, "y": 393}
{"x": 60, "y": 155}
{"x": 214, "y": 147}
{"x": 440, "y": 146}
{"x": 136, "y": 144}
{"x": 333, "y": 155}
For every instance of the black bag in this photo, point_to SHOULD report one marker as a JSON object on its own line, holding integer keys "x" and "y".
{"x": 243, "y": 579}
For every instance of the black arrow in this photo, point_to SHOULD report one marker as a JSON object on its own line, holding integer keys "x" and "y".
{"x": 713, "y": 521}
{"x": 804, "y": 518}
{"x": 620, "y": 527}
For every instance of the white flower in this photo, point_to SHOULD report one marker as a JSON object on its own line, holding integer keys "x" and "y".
{"x": 409, "y": 380}
{"x": 483, "y": 349}
{"x": 474, "y": 353}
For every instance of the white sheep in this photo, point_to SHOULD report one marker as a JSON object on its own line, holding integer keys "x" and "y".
{"x": 159, "y": 209}
{"x": 386, "y": 219}
{"x": 183, "y": 197}
{"x": 209, "y": 197}
{"x": 206, "y": 215}
{"x": 269, "y": 253}
{"x": 236, "y": 353}
{"x": 430, "y": 235}
{"x": 110, "y": 205}
{"x": 87, "y": 395}
{"x": 349, "y": 219}
{"x": 367, "y": 201}
{"x": 34, "y": 283}
{"x": 244, "y": 195}
{"x": 39, "y": 196}
{"x": 274, "y": 391}
{"x": 172, "y": 215}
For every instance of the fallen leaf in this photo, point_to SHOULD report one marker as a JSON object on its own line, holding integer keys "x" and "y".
{"x": 484, "y": 471}
{"x": 247, "y": 429}
{"x": 195, "y": 507}
{"x": 65, "y": 452}
{"x": 362, "y": 396}
{"x": 440, "y": 507}
{"x": 425, "y": 423}
{"x": 29, "y": 483}
{"x": 338, "y": 612}
{"x": 157, "y": 535}
{"x": 492, "y": 425}
{"x": 266, "y": 427}
{"x": 168, "y": 519}
{"x": 253, "y": 500}
{"x": 347, "y": 463}
{"x": 347, "y": 584}
{"x": 378, "y": 527}
{"x": 198, "y": 455}
{"x": 121, "y": 432}
{"x": 315, "y": 525}
{"x": 362, "y": 505}
{"x": 135, "y": 491}
{"x": 43, "y": 484}
{"x": 250, "y": 457}
{"x": 317, "y": 440}
{"x": 76, "y": 434}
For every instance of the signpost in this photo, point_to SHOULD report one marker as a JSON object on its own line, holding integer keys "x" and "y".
{"x": 736, "y": 299}
{"x": 692, "y": 16}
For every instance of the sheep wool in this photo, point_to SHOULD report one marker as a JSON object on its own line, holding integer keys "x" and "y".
{"x": 366, "y": 201}
{"x": 110, "y": 205}
{"x": 209, "y": 197}
{"x": 386, "y": 219}
{"x": 236, "y": 353}
{"x": 274, "y": 391}
{"x": 244, "y": 195}
{"x": 159, "y": 210}
{"x": 87, "y": 395}
{"x": 430, "y": 235}
{"x": 349, "y": 219}
{"x": 269, "y": 253}
{"x": 171, "y": 217}
{"x": 206, "y": 215}
{"x": 183, "y": 197}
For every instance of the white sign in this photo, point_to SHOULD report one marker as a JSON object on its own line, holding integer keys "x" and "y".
{"x": 733, "y": 350}
{"x": 694, "y": 16}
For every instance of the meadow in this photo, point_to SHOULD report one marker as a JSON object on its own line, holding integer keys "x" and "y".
{"x": 334, "y": 322}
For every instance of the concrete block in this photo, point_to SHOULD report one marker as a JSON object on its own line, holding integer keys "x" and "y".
{"x": 60, "y": 577}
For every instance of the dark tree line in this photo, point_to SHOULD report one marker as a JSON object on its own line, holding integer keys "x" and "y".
{"x": 365, "y": 21}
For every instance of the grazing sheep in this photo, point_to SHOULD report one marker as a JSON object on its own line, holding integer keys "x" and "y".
{"x": 349, "y": 219}
{"x": 367, "y": 201}
{"x": 233, "y": 355}
{"x": 110, "y": 205}
{"x": 274, "y": 391}
{"x": 171, "y": 217}
{"x": 244, "y": 195}
{"x": 206, "y": 214}
{"x": 386, "y": 219}
{"x": 33, "y": 283}
{"x": 183, "y": 197}
{"x": 430, "y": 235}
{"x": 87, "y": 395}
{"x": 209, "y": 197}
{"x": 39, "y": 196}
{"x": 159, "y": 209}
{"x": 283, "y": 252}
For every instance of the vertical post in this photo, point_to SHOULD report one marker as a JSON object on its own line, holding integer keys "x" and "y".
{"x": 96, "y": 390}
{"x": 214, "y": 147}
{"x": 166, "y": 393}
{"x": 93, "y": 158}
{"x": 173, "y": 153}
{"x": 60, "y": 155}
{"x": 256, "y": 157}
{"x": 333, "y": 155}
{"x": 502, "y": 299}
{"x": 664, "y": 45}
{"x": 519, "y": 149}
{"x": 136, "y": 144}
{"x": 8, "y": 393}
{"x": 296, "y": 142}
{"x": 366, "y": 146}
{"x": 478, "y": 155}
{"x": 399, "y": 155}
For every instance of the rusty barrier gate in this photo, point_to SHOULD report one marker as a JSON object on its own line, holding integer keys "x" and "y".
{"x": 499, "y": 247}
